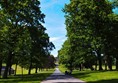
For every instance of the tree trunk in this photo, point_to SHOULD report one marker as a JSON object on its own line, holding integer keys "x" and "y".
{"x": 80, "y": 67}
{"x": 36, "y": 69}
{"x": 109, "y": 60}
{"x": 105, "y": 65}
{"x": 30, "y": 67}
{"x": 96, "y": 65}
{"x": 22, "y": 72}
{"x": 0, "y": 65}
{"x": 91, "y": 67}
{"x": 116, "y": 63}
{"x": 71, "y": 66}
{"x": 99, "y": 60}
{"x": 15, "y": 69}
{"x": 7, "y": 65}
{"x": 29, "y": 72}
{"x": 10, "y": 68}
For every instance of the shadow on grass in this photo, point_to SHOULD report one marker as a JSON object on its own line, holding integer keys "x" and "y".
{"x": 105, "y": 81}
{"x": 25, "y": 78}
{"x": 80, "y": 75}
{"x": 84, "y": 74}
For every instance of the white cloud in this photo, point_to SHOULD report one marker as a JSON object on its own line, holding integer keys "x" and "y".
{"x": 54, "y": 39}
{"x": 47, "y": 4}
{"x": 57, "y": 39}
{"x": 63, "y": 40}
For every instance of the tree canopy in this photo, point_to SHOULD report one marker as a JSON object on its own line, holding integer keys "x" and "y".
{"x": 23, "y": 40}
{"x": 91, "y": 30}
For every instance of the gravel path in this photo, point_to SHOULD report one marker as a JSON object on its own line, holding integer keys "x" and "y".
{"x": 58, "y": 77}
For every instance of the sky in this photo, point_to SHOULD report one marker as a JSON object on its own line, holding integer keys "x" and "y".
{"x": 115, "y": 10}
{"x": 54, "y": 22}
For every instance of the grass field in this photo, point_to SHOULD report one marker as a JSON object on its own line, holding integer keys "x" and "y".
{"x": 33, "y": 78}
{"x": 94, "y": 76}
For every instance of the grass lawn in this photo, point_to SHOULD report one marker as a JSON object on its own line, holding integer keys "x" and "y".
{"x": 94, "y": 76}
{"x": 33, "y": 78}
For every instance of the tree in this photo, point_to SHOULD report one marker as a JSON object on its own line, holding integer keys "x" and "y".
{"x": 89, "y": 29}
{"x": 20, "y": 14}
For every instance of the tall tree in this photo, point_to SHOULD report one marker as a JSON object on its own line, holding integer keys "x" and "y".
{"x": 24, "y": 14}
{"x": 88, "y": 26}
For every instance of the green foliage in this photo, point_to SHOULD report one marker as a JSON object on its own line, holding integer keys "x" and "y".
{"x": 90, "y": 26}
{"x": 23, "y": 39}
{"x": 62, "y": 68}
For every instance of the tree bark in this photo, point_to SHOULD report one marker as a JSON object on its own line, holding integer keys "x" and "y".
{"x": 30, "y": 67}
{"x": 7, "y": 65}
{"x": 91, "y": 67}
{"x": 105, "y": 60}
{"x": 36, "y": 69}
{"x": 96, "y": 65}
{"x": 10, "y": 68}
{"x": 105, "y": 65}
{"x": 80, "y": 67}
{"x": 22, "y": 72}
{"x": 116, "y": 63}
{"x": 71, "y": 66}
{"x": 109, "y": 60}
{"x": 99, "y": 60}
{"x": 0, "y": 65}
{"x": 15, "y": 69}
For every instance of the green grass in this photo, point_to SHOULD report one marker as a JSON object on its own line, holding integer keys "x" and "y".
{"x": 97, "y": 76}
{"x": 103, "y": 66}
{"x": 19, "y": 70}
{"x": 33, "y": 78}
{"x": 94, "y": 76}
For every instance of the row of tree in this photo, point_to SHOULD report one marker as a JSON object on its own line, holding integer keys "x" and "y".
{"x": 23, "y": 40}
{"x": 92, "y": 35}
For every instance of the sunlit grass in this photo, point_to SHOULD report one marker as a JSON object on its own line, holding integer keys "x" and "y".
{"x": 33, "y": 78}
{"x": 25, "y": 71}
{"x": 103, "y": 66}
{"x": 94, "y": 76}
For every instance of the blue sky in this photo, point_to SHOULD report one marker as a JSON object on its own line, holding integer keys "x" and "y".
{"x": 54, "y": 21}
{"x": 115, "y": 10}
